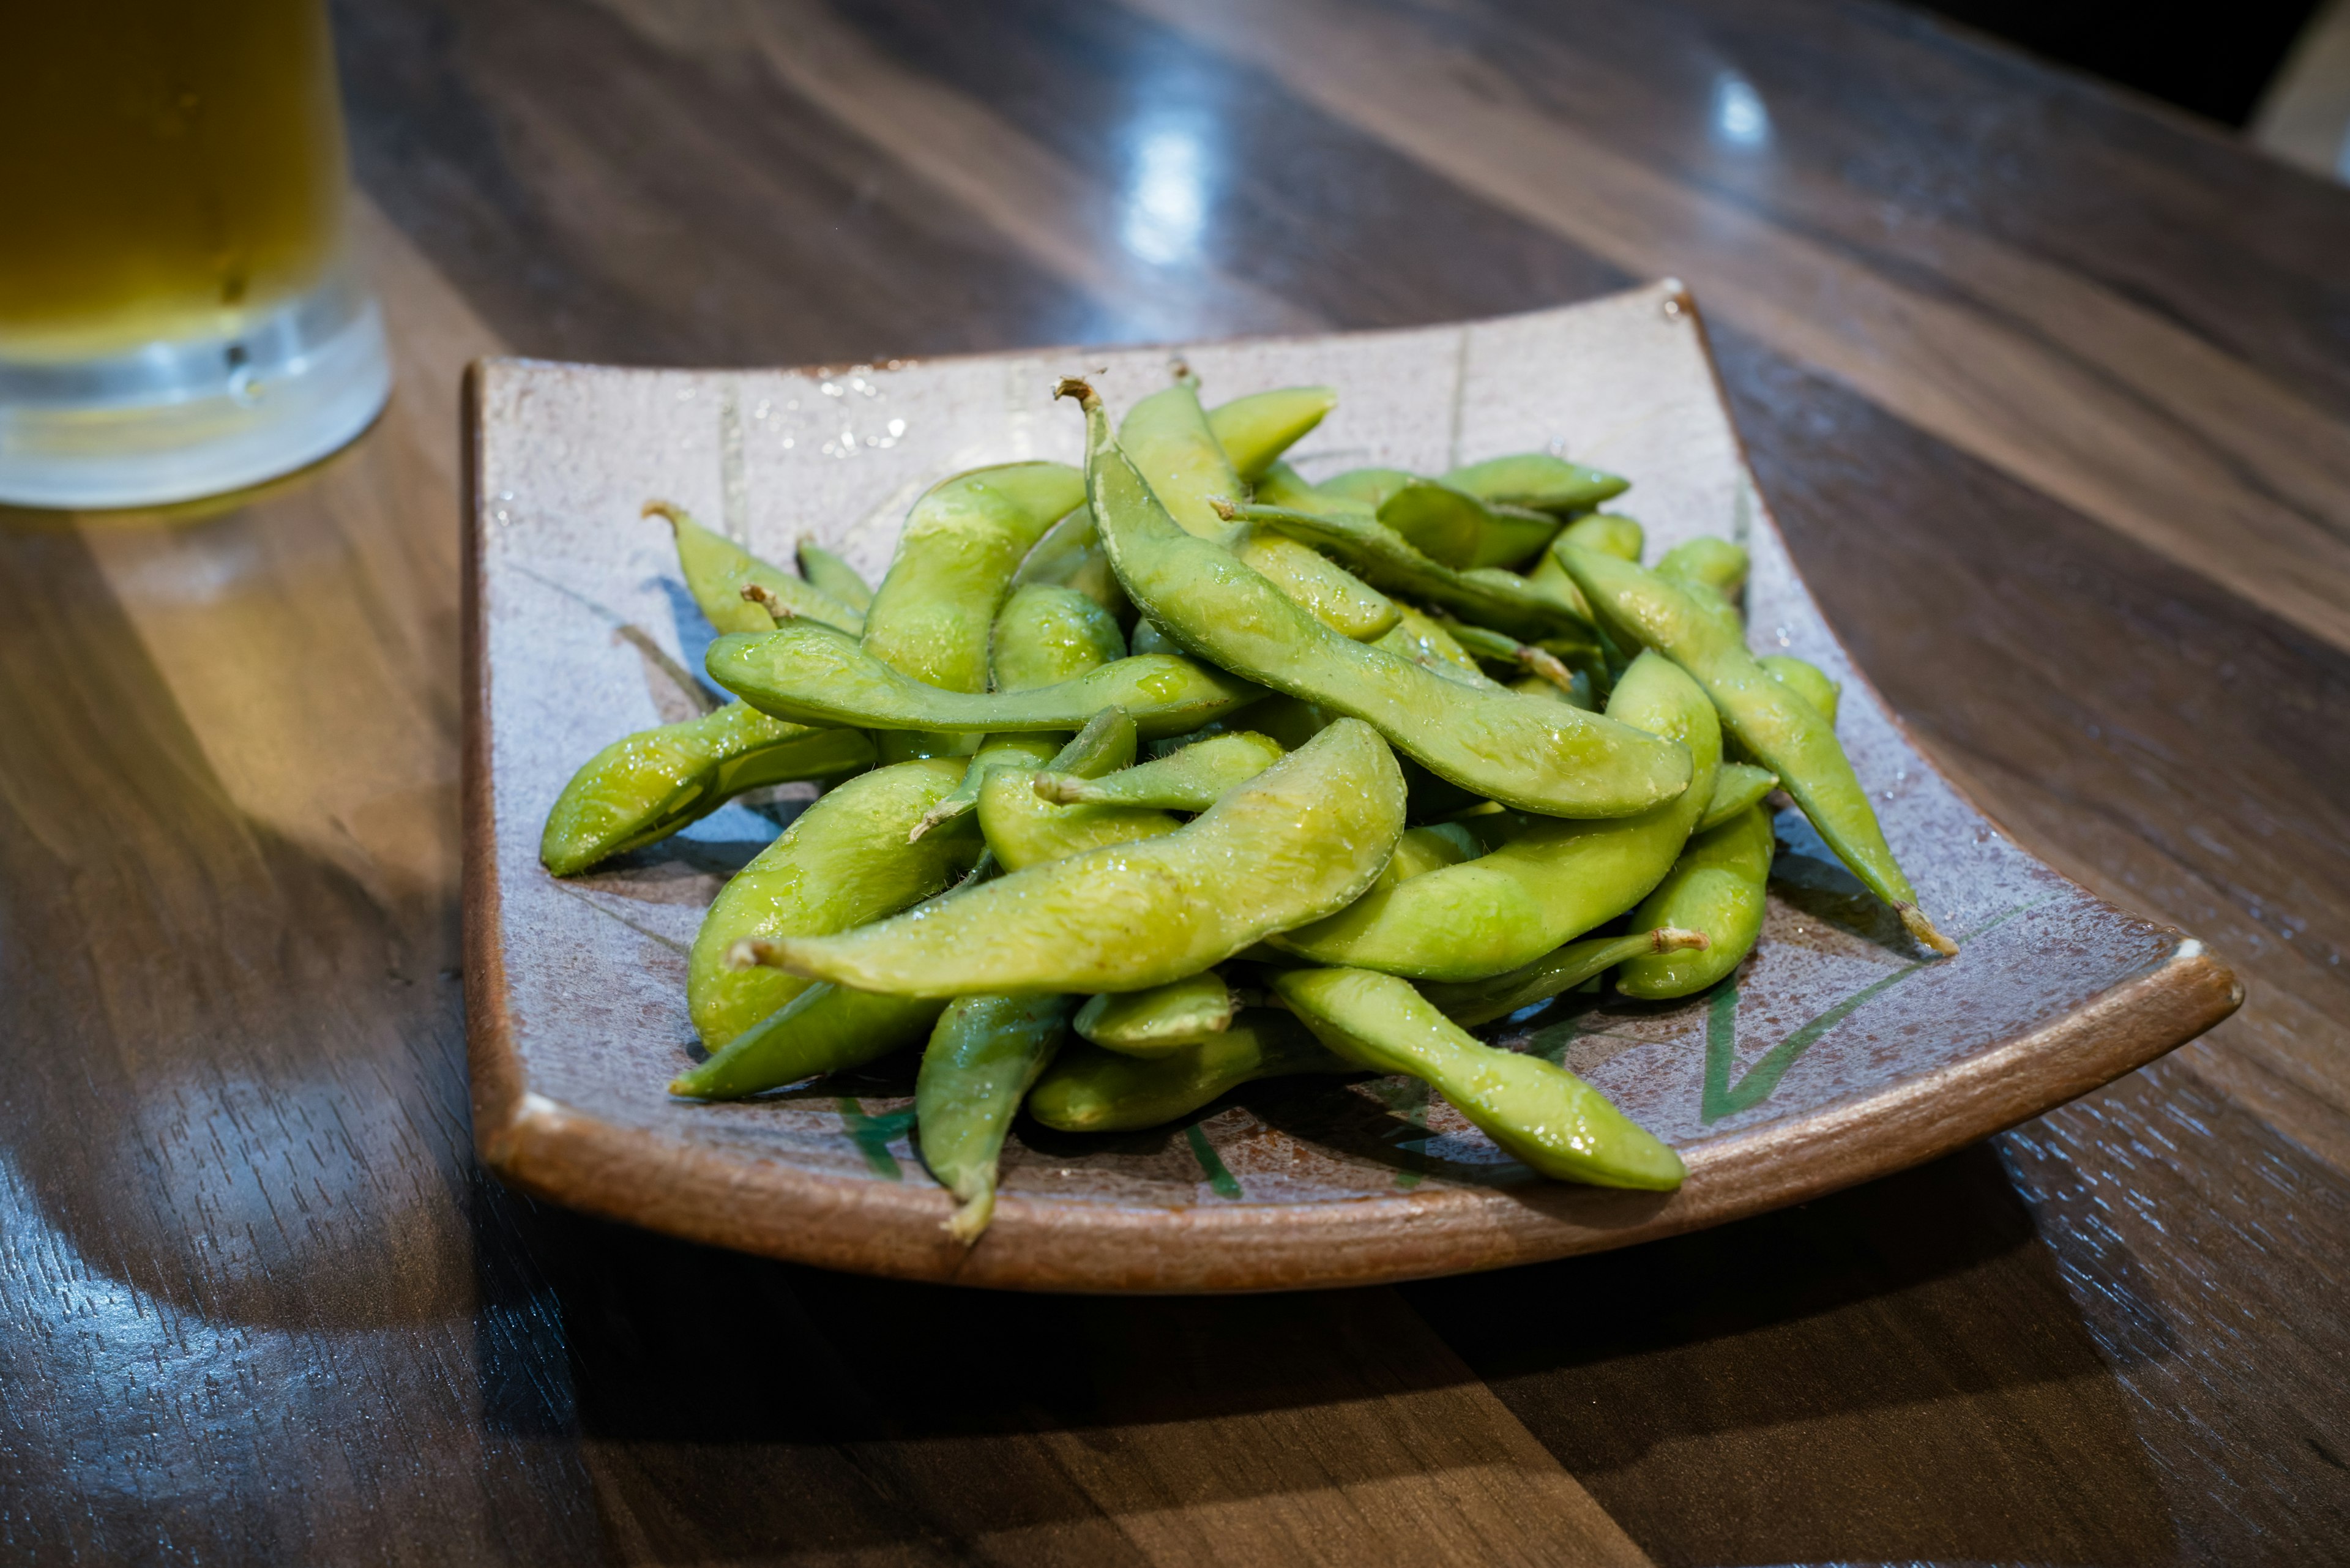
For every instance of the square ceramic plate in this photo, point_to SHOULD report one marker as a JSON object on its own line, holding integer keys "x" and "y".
{"x": 1834, "y": 1056}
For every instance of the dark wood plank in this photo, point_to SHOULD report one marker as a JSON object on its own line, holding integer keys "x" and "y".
{"x": 260, "y": 1305}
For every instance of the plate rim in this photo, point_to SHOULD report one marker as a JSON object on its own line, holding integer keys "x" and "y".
{"x": 739, "y": 1201}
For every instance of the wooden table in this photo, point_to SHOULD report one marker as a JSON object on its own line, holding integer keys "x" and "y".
{"x": 2052, "y": 390}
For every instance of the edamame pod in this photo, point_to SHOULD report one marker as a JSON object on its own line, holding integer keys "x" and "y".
{"x": 1540, "y": 662}
{"x": 982, "y": 1057}
{"x": 1716, "y": 563}
{"x": 1538, "y": 480}
{"x": 1045, "y": 635}
{"x": 1431, "y": 646}
{"x": 1384, "y": 559}
{"x": 843, "y": 861}
{"x": 823, "y": 1029}
{"x": 1089, "y": 1090}
{"x": 1299, "y": 840}
{"x": 1167, "y": 438}
{"x": 1254, "y": 431}
{"x": 1162, "y": 1021}
{"x": 1736, "y": 786}
{"x": 828, "y": 574}
{"x": 647, "y": 786}
{"x": 1336, "y": 598}
{"x": 966, "y": 535}
{"x": 1455, "y": 529}
{"x": 1483, "y": 1001}
{"x": 1608, "y": 533}
{"x": 1542, "y": 756}
{"x": 1717, "y": 887}
{"x": 1534, "y": 1109}
{"x": 1193, "y": 778}
{"x": 1022, "y": 830}
{"x": 1806, "y": 680}
{"x": 812, "y": 674}
{"x": 1784, "y": 730}
{"x": 1070, "y": 555}
{"x": 1546, "y": 880}
{"x": 716, "y": 570}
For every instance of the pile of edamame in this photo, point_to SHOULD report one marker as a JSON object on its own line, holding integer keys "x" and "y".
{"x": 1153, "y": 778}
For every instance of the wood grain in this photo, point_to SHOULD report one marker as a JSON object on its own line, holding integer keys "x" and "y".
{"x": 257, "y": 1303}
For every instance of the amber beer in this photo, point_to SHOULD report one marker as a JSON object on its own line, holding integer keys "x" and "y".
{"x": 170, "y": 170}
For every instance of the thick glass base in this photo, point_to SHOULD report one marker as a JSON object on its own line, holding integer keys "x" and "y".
{"x": 176, "y": 420}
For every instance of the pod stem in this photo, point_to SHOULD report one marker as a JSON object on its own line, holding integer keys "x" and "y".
{"x": 967, "y": 1222}
{"x": 1062, "y": 789}
{"x": 766, "y": 600}
{"x": 946, "y": 811}
{"x": 1919, "y": 925}
{"x": 1079, "y": 389}
{"x": 759, "y": 953}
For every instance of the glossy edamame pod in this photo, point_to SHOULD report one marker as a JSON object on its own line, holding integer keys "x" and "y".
{"x": 1090, "y": 1090}
{"x": 1539, "y": 756}
{"x": 1784, "y": 730}
{"x": 1716, "y": 563}
{"x": 1430, "y": 645}
{"x": 1716, "y": 887}
{"x": 1336, "y": 598}
{"x": 984, "y": 1054}
{"x": 1254, "y": 431}
{"x": 843, "y": 861}
{"x": 1070, "y": 555}
{"x": 716, "y": 570}
{"x": 1736, "y": 786}
{"x": 1483, "y": 1001}
{"x": 828, "y": 574}
{"x": 811, "y": 674}
{"x": 1533, "y": 1108}
{"x": 1045, "y": 635}
{"x": 1162, "y": 1021}
{"x": 1806, "y": 680}
{"x": 1023, "y": 830}
{"x": 823, "y": 1029}
{"x": 1445, "y": 526}
{"x": 647, "y": 786}
{"x": 930, "y": 618}
{"x": 1192, "y": 779}
{"x": 1385, "y": 560}
{"x": 1538, "y": 480}
{"x": 1546, "y": 880}
{"x": 1167, "y": 437}
{"x": 1299, "y": 840}
{"x": 1608, "y": 533}
{"x": 1540, "y": 662}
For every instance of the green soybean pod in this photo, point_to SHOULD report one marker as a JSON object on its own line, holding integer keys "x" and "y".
{"x": 1090, "y": 1090}
{"x": 1784, "y": 730}
{"x": 1162, "y": 1021}
{"x": 1302, "y": 838}
{"x": 1192, "y": 779}
{"x": 1716, "y": 887}
{"x": 1044, "y": 635}
{"x": 843, "y": 861}
{"x": 1542, "y": 756}
{"x": 717, "y": 570}
{"x": 1717, "y": 563}
{"x": 828, "y": 574}
{"x": 1335, "y": 595}
{"x": 812, "y": 675}
{"x": 1456, "y": 529}
{"x": 1477, "y": 1001}
{"x": 1544, "y": 880}
{"x": 1023, "y": 830}
{"x": 1533, "y": 1108}
{"x": 1429, "y": 644}
{"x": 1736, "y": 786}
{"x": 1806, "y": 680}
{"x": 822, "y": 1029}
{"x": 1070, "y": 555}
{"x": 646, "y": 786}
{"x": 1168, "y": 440}
{"x": 965, "y": 536}
{"x": 982, "y": 1057}
{"x": 1539, "y": 479}
{"x": 1608, "y": 533}
{"x": 1254, "y": 431}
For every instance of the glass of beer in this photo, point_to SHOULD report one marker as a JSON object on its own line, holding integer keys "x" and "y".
{"x": 179, "y": 314}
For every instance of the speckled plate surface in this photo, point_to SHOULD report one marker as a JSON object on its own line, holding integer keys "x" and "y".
{"x": 1835, "y": 1054}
